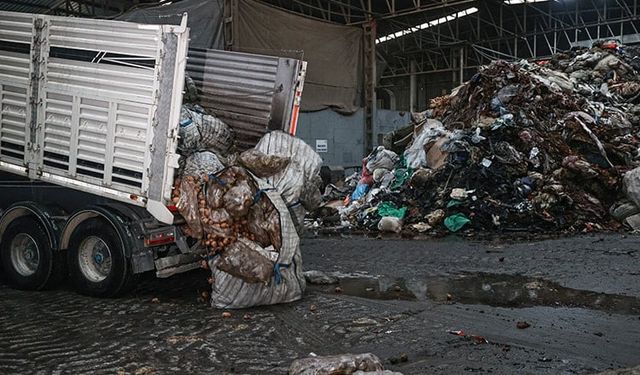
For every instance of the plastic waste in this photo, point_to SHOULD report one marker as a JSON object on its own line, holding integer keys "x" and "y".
{"x": 631, "y": 185}
{"x": 476, "y": 137}
{"x": 456, "y": 222}
{"x": 401, "y": 176}
{"x": 459, "y": 194}
{"x": 202, "y": 163}
{"x": 435, "y": 217}
{"x": 389, "y": 209}
{"x": 421, "y": 227}
{"x": 382, "y": 158}
{"x": 338, "y": 364}
{"x": 504, "y": 96}
{"x": 415, "y": 154}
{"x": 390, "y": 224}
{"x": 361, "y": 191}
{"x": 379, "y": 173}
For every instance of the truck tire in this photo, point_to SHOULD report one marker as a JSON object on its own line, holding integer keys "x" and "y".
{"x": 28, "y": 260}
{"x": 97, "y": 262}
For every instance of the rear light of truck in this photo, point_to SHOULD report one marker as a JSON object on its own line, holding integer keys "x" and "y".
{"x": 163, "y": 237}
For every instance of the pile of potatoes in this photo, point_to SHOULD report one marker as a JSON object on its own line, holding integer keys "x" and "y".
{"x": 219, "y": 209}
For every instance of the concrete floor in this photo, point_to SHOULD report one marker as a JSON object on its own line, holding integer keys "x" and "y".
{"x": 580, "y": 296}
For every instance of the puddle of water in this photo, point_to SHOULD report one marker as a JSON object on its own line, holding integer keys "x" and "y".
{"x": 518, "y": 291}
{"x": 487, "y": 289}
{"x": 374, "y": 288}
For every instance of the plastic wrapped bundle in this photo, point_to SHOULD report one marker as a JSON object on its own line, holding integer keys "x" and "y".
{"x": 263, "y": 165}
{"x": 200, "y": 131}
{"x": 337, "y": 364}
{"x": 202, "y": 163}
{"x": 244, "y": 259}
{"x": 238, "y": 199}
{"x": 188, "y": 205}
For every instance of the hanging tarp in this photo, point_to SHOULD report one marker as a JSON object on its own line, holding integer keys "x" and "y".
{"x": 333, "y": 52}
{"x": 204, "y": 19}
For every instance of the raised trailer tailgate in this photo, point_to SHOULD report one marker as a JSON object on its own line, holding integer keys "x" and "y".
{"x": 251, "y": 93}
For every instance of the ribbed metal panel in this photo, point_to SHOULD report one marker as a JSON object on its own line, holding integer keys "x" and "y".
{"x": 14, "y": 84}
{"x": 13, "y": 122}
{"x": 107, "y": 81}
{"x": 14, "y": 68}
{"x": 236, "y": 87}
{"x": 97, "y": 121}
{"x": 16, "y": 27}
{"x": 109, "y": 36}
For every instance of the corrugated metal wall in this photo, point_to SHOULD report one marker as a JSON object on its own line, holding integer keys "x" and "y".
{"x": 343, "y": 135}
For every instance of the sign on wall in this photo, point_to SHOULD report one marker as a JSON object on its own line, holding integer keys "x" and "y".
{"x": 321, "y": 145}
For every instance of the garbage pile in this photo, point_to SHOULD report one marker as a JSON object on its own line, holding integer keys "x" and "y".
{"x": 520, "y": 147}
{"x": 240, "y": 210}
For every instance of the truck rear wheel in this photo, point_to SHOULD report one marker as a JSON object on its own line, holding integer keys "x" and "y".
{"x": 27, "y": 257}
{"x": 97, "y": 262}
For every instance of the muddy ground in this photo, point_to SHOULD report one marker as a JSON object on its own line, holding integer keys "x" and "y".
{"x": 579, "y": 296}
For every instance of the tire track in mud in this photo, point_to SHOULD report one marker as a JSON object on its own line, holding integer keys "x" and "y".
{"x": 60, "y": 331}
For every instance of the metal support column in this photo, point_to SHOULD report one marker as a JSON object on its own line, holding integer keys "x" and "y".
{"x": 369, "y": 83}
{"x": 461, "y": 65}
{"x": 413, "y": 89}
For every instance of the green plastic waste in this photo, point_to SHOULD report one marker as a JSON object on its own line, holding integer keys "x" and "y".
{"x": 390, "y": 209}
{"x": 401, "y": 174}
{"x": 453, "y": 203}
{"x": 455, "y": 222}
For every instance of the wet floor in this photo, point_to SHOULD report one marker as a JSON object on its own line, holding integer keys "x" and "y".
{"x": 499, "y": 290}
{"x": 578, "y": 296}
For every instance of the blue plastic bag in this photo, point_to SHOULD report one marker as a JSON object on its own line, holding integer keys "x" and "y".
{"x": 360, "y": 192}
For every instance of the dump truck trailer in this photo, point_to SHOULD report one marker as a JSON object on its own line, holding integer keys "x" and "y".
{"x": 89, "y": 120}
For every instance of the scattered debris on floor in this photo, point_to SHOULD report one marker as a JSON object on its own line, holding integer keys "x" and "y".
{"x": 522, "y": 146}
{"x": 365, "y": 364}
{"x": 473, "y": 338}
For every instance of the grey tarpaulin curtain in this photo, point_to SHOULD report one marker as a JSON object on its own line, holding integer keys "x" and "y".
{"x": 205, "y": 20}
{"x": 333, "y": 52}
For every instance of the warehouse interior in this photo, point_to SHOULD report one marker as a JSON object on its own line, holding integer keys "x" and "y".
{"x": 411, "y": 51}
{"x": 313, "y": 187}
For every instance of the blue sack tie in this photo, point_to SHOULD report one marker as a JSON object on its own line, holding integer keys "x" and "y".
{"x": 210, "y": 257}
{"x": 296, "y": 203}
{"x": 217, "y": 179}
{"x": 259, "y": 193}
{"x": 277, "y": 273}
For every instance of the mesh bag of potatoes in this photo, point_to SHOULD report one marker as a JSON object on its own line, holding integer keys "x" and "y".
{"x": 248, "y": 239}
{"x": 246, "y": 218}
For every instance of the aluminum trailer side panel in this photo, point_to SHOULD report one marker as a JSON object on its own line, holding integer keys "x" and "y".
{"x": 94, "y": 105}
